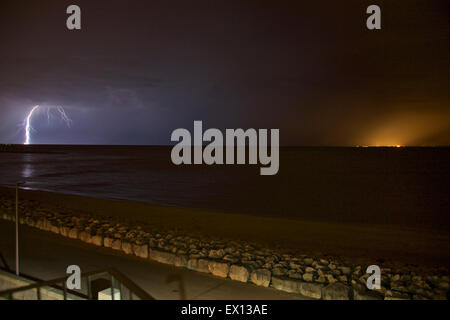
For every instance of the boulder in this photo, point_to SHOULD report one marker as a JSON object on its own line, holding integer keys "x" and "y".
{"x": 141, "y": 250}
{"x": 53, "y": 228}
{"x": 200, "y": 265}
{"x": 398, "y": 286}
{"x": 84, "y": 236}
{"x": 330, "y": 278}
{"x": 294, "y": 274}
{"x": 116, "y": 244}
{"x": 73, "y": 233}
{"x": 203, "y": 265}
{"x": 162, "y": 256}
{"x": 192, "y": 264}
{"x": 38, "y": 224}
{"x": 395, "y": 295}
{"x": 261, "y": 277}
{"x": 127, "y": 247}
{"x": 230, "y": 258}
{"x": 168, "y": 258}
{"x": 345, "y": 270}
{"x": 219, "y": 269}
{"x": 45, "y": 224}
{"x": 180, "y": 260}
{"x": 308, "y": 277}
{"x": 367, "y": 295}
{"x": 107, "y": 242}
{"x": 336, "y": 291}
{"x": 216, "y": 254}
{"x": 279, "y": 271}
{"x": 97, "y": 240}
{"x": 287, "y": 285}
{"x": 239, "y": 273}
{"x": 311, "y": 290}
{"x": 343, "y": 278}
{"x": 64, "y": 231}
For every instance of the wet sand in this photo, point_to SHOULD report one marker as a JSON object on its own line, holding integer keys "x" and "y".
{"x": 356, "y": 243}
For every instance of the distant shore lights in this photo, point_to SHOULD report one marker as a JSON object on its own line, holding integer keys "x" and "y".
{"x": 380, "y": 146}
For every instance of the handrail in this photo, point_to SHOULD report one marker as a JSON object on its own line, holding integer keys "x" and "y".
{"x": 124, "y": 280}
{"x": 41, "y": 283}
{"x": 133, "y": 287}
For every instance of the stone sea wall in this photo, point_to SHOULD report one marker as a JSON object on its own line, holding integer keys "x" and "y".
{"x": 318, "y": 278}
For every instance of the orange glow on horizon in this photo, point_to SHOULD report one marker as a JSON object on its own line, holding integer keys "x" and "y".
{"x": 407, "y": 129}
{"x": 381, "y": 146}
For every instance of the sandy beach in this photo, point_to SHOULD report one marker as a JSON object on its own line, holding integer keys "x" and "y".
{"x": 360, "y": 244}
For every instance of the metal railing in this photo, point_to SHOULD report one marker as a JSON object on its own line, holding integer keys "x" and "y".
{"x": 115, "y": 281}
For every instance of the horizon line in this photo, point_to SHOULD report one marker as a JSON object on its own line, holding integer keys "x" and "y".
{"x": 171, "y": 145}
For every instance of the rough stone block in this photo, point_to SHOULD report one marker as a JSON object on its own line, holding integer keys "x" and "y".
{"x": 192, "y": 264}
{"x": 117, "y": 244}
{"x": 97, "y": 240}
{"x": 311, "y": 290}
{"x": 84, "y": 236}
{"x": 181, "y": 261}
{"x": 127, "y": 247}
{"x": 287, "y": 285}
{"x": 73, "y": 233}
{"x": 141, "y": 250}
{"x": 107, "y": 242}
{"x": 162, "y": 256}
{"x": 219, "y": 269}
{"x": 336, "y": 291}
{"x": 395, "y": 295}
{"x": 64, "y": 231}
{"x": 239, "y": 273}
{"x": 54, "y": 228}
{"x": 200, "y": 265}
{"x": 261, "y": 277}
{"x": 367, "y": 295}
{"x": 216, "y": 254}
{"x": 360, "y": 292}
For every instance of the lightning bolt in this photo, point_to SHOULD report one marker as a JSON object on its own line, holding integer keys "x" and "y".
{"x": 64, "y": 116}
{"x": 28, "y": 126}
{"x": 27, "y": 121}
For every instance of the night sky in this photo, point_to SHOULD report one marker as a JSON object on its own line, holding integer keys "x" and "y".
{"x": 140, "y": 69}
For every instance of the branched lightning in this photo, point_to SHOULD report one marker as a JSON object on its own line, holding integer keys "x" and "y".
{"x": 64, "y": 116}
{"x": 27, "y": 122}
{"x": 27, "y": 125}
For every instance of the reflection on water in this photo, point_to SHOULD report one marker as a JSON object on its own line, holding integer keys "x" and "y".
{"x": 405, "y": 186}
{"x": 27, "y": 166}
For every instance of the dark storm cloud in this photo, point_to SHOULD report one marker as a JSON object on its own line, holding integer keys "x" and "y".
{"x": 139, "y": 69}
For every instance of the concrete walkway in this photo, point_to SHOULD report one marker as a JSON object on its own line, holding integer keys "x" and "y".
{"x": 45, "y": 255}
